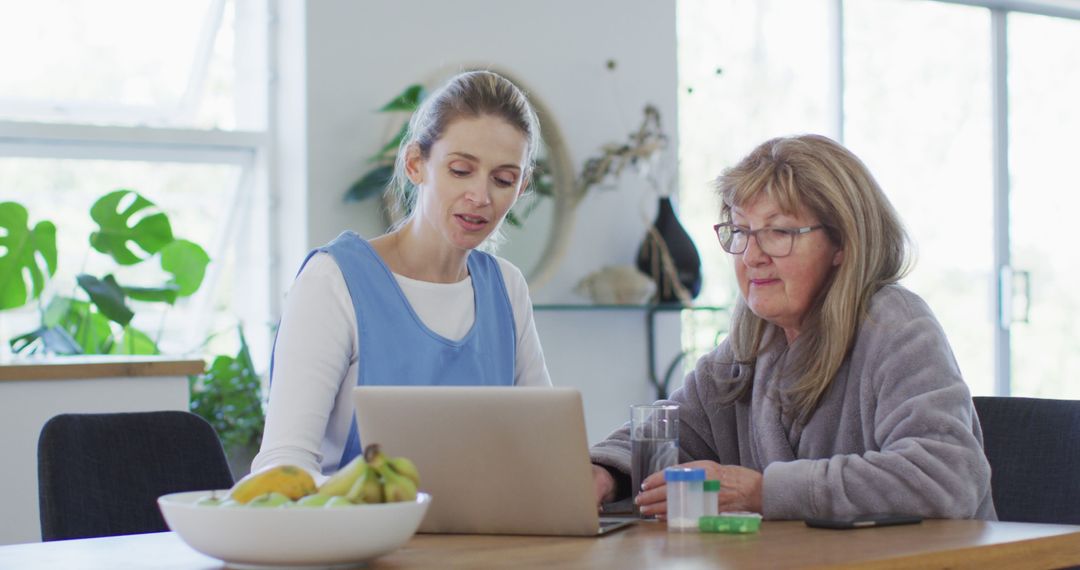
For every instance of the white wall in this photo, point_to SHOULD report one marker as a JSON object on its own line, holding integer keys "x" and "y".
{"x": 360, "y": 54}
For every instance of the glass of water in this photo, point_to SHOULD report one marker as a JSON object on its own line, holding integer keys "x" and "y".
{"x": 654, "y": 441}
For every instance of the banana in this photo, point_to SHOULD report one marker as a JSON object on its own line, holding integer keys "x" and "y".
{"x": 367, "y": 488}
{"x": 397, "y": 487}
{"x": 398, "y": 476}
{"x": 405, "y": 466}
{"x": 374, "y": 456}
{"x": 339, "y": 483}
{"x": 289, "y": 480}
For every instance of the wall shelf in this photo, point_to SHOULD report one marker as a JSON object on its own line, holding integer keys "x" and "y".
{"x": 659, "y": 382}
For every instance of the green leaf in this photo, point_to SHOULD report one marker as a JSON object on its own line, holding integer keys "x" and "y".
{"x": 57, "y": 310}
{"x": 524, "y": 208}
{"x": 165, "y": 294}
{"x": 229, "y": 396}
{"x": 376, "y": 180}
{"x": 244, "y": 356}
{"x": 542, "y": 182}
{"x": 187, "y": 262}
{"x": 390, "y": 149}
{"x": 407, "y": 100}
{"x": 23, "y": 341}
{"x": 91, "y": 330}
{"x": 107, "y": 296}
{"x": 50, "y": 340}
{"x": 26, "y": 341}
{"x": 59, "y": 341}
{"x": 19, "y": 246}
{"x": 151, "y": 233}
{"x": 134, "y": 341}
{"x": 372, "y": 184}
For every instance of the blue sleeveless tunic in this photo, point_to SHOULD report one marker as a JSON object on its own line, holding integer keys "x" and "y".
{"x": 397, "y": 349}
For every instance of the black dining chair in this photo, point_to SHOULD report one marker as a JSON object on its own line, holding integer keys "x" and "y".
{"x": 1033, "y": 446}
{"x": 101, "y": 474}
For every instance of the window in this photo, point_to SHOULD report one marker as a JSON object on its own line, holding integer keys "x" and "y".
{"x": 166, "y": 98}
{"x": 918, "y": 112}
{"x": 190, "y": 64}
{"x": 1044, "y": 91}
{"x": 909, "y": 86}
{"x": 738, "y": 87}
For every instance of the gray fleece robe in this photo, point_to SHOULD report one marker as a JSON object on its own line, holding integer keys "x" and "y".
{"x": 895, "y": 431}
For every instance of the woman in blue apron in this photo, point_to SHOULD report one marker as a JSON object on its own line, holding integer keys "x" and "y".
{"x": 419, "y": 305}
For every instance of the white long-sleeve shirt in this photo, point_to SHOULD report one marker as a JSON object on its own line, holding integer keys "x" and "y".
{"x": 317, "y": 351}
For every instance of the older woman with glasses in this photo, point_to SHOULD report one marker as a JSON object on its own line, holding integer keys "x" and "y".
{"x": 836, "y": 393}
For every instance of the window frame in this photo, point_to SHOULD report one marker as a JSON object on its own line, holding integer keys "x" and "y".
{"x": 1002, "y": 270}
{"x": 249, "y": 149}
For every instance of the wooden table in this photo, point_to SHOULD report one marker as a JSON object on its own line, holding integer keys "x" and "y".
{"x": 932, "y": 544}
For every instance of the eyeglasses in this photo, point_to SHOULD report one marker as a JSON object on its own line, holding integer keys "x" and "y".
{"x": 774, "y": 242}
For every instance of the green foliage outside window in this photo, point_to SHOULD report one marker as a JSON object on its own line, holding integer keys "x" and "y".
{"x": 97, "y": 317}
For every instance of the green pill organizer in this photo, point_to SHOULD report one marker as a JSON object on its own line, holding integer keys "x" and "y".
{"x": 731, "y": 523}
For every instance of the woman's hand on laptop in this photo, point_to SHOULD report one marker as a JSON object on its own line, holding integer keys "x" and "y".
{"x": 740, "y": 488}
{"x": 604, "y": 484}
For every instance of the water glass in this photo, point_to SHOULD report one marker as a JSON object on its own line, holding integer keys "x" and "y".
{"x": 654, "y": 441}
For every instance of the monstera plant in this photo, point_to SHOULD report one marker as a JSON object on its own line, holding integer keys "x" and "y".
{"x": 100, "y": 321}
{"x": 20, "y": 247}
{"x": 97, "y": 317}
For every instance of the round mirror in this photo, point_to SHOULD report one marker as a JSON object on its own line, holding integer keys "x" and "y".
{"x": 537, "y": 229}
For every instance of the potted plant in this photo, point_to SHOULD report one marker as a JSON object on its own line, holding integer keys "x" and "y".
{"x": 97, "y": 318}
{"x": 99, "y": 321}
{"x": 229, "y": 396}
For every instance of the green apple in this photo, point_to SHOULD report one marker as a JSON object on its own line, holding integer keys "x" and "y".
{"x": 338, "y": 501}
{"x": 315, "y": 500}
{"x": 273, "y": 499}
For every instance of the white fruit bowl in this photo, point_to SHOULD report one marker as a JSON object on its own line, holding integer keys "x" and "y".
{"x": 292, "y": 536}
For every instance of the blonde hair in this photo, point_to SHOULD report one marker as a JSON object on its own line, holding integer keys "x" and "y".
{"x": 469, "y": 94}
{"x": 814, "y": 174}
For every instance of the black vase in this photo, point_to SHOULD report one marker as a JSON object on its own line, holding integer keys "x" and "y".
{"x": 684, "y": 256}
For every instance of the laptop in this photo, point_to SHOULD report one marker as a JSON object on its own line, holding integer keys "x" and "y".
{"x": 496, "y": 460}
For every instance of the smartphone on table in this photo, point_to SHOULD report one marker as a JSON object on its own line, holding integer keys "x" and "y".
{"x": 865, "y": 521}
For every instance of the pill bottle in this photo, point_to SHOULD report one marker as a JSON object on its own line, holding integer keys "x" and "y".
{"x": 711, "y": 499}
{"x": 684, "y": 498}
